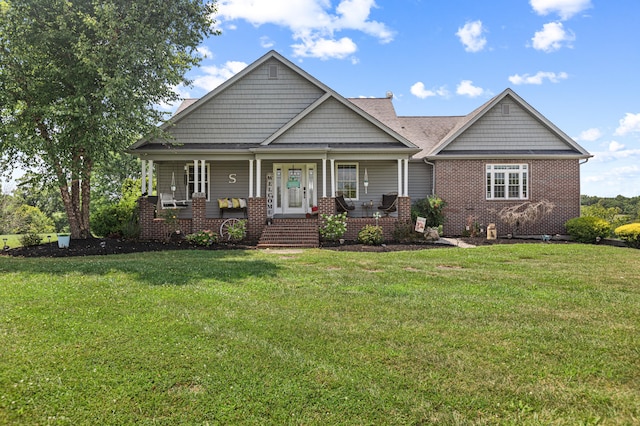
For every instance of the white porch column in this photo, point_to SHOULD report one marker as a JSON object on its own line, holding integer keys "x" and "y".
{"x": 258, "y": 174}
{"x": 195, "y": 176}
{"x": 333, "y": 178}
{"x": 405, "y": 193}
{"x": 150, "y": 177}
{"x": 250, "y": 178}
{"x": 324, "y": 178}
{"x": 399, "y": 176}
{"x": 203, "y": 175}
{"x": 143, "y": 188}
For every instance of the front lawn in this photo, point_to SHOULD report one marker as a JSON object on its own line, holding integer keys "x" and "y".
{"x": 510, "y": 334}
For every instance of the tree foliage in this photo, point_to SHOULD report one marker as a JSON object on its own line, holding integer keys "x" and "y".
{"x": 629, "y": 206}
{"x": 78, "y": 79}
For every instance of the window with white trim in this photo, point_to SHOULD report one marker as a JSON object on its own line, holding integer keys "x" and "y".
{"x": 190, "y": 180}
{"x": 507, "y": 181}
{"x": 347, "y": 179}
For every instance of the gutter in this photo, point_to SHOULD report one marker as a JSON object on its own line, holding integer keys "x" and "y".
{"x": 433, "y": 175}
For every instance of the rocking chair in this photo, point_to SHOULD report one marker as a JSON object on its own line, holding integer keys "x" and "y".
{"x": 389, "y": 203}
{"x": 342, "y": 205}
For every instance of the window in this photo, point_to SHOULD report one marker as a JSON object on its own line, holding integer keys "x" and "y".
{"x": 190, "y": 180}
{"x": 507, "y": 181}
{"x": 347, "y": 180}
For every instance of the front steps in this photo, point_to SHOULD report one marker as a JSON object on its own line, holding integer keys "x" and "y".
{"x": 290, "y": 233}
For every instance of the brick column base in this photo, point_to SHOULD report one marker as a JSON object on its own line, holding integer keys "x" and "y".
{"x": 404, "y": 209}
{"x": 257, "y": 213}
{"x": 147, "y": 211}
{"x": 199, "y": 212}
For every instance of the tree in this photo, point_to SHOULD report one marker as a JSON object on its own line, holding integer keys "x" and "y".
{"x": 79, "y": 79}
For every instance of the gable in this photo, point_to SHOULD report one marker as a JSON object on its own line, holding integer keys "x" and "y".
{"x": 333, "y": 124}
{"x": 516, "y": 130}
{"x": 249, "y": 110}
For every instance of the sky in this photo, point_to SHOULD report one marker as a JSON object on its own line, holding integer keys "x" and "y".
{"x": 575, "y": 61}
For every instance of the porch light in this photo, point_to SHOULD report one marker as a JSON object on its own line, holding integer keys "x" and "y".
{"x": 173, "y": 184}
{"x": 366, "y": 180}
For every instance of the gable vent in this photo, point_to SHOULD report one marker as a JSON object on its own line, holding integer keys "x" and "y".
{"x": 273, "y": 72}
{"x": 505, "y": 109}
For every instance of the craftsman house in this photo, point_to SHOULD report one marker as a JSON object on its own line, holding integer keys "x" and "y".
{"x": 275, "y": 145}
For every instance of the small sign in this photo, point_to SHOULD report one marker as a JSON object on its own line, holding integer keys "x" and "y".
{"x": 421, "y": 223}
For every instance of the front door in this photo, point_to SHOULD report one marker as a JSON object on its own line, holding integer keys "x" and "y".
{"x": 295, "y": 188}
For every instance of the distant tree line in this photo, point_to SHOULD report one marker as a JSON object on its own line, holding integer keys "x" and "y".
{"x": 621, "y": 205}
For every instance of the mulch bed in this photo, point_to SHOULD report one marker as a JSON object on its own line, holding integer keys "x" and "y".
{"x": 95, "y": 246}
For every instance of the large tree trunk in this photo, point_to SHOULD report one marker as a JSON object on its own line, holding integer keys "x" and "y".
{"x": 77, "y": 198}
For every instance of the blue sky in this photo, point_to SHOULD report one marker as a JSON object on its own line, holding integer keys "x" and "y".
{"x": 575, "y": 61}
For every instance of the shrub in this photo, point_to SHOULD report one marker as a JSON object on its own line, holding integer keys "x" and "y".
{"x": 371, "y": 235}
{"x": 112, "y": 219}
{"x": 30, "y": 239}
{"x": 30, "y": 220}
{"x": 237, "y": 230}
{"x": 334, "y": 226}
{"x": 588, "y": 229}
{"x": 404, "y": 231}
{"x": 203, "y": 238}
{"x": 431, "y": 208}
{"x": 630, "y": 234}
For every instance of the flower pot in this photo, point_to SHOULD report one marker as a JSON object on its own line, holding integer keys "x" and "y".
{"x": 63, "y": 241}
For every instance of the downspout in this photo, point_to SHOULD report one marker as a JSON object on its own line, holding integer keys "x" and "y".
{"x": 433, "y": 175}
{"x": 584, "y": 162}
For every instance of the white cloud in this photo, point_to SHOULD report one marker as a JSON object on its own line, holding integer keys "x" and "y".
{"x": 629, "y": 124}
{"x": 538, "y": 78}
{"x": 590, "y": 135}
{"x": 471, "y": 36}
{"x": 313, "y": 47}
{"x": 204, "y": 51}
{"x": 564, "y": 8}
{"x": 421, "y": 92}
{"x": 552, "y": 37}
{"x": 466, "y": 88}
{"x": 312, "y": 23}
{"x": 266, "y": 42}
{"x": 215, "y": 76}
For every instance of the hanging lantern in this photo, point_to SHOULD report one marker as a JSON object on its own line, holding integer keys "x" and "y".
{"x": 173, "y": 183}
{"x": 366, "y": 181}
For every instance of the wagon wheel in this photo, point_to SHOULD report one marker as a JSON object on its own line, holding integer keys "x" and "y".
{"x": 224, "y": 228}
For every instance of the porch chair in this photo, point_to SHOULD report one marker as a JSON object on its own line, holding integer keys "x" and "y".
{"x": 168, "y": 202}
{"x": 342, "y": 205}
{"x": 389, "y": 203}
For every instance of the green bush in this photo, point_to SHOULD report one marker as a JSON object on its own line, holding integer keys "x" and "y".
{"x": 404, "y": 232}
{"x": 30, "y": 239}
{"x": 630, "y": 234}
{"x": 30, "y": 220}
{"x": 334, "y": 226}
{"x": 371, "y": 235}
{"x": 431, "y": 208}
{"x": 203, "y": 238}
{"x": 588, "y": 229}
{"x": 111, "y": 220}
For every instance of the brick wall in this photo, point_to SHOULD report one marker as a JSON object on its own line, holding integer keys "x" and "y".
{"x": 462, "y": 185}
{"x": 198, "y": 212}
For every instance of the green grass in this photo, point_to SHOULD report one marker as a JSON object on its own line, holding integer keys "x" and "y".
{"x": 512, "y": 334}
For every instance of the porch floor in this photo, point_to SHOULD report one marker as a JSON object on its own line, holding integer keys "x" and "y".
{"x": 292, "y": 233}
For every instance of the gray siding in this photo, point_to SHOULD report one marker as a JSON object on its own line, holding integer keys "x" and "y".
{"x": 333, "y": 123}
{"x": 420, "y": 180}
{"x": 250, "y": 110}
{"x": 516, "y": 131}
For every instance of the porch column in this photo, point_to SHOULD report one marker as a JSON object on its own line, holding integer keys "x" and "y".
{"x": 333, "y": 178}
{"x": 399, "y": 176}
{"x": 195, "y": 176}
{"x": 150, "y": 177}
{"x": 324, "y": 178}
{"x": 258, "y": 173}
{"x": 203, "y": 174}
{"x": 250, "y": 178}
{"x": 143, "y": 179}
{"x": 405, "y": 193}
